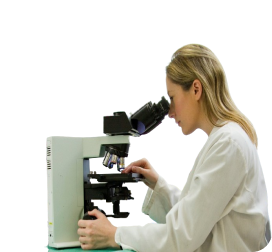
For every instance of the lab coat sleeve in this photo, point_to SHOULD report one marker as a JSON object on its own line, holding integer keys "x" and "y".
{"x": 190, "y": 221}
{"x": 165, "y": 197}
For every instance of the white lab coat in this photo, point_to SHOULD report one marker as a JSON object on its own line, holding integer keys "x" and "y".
{"x": 223, "y": 206}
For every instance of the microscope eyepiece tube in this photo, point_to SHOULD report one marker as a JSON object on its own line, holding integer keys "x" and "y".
{"x": 149, "y": 116}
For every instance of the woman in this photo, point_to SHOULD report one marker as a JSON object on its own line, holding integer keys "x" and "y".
{"x": 223, "y": 206}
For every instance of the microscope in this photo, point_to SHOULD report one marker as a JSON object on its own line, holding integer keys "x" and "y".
{"x": 71, "y": 191}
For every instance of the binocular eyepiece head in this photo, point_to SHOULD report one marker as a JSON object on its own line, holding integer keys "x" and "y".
{"x": 149, "y": 116}
{"x": 141, "y": 122}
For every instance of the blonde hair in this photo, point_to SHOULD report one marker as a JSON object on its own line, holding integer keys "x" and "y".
{"x": 198, "y": 62}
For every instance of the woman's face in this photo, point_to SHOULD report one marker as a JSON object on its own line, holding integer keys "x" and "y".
{"x": 184, "y": 106}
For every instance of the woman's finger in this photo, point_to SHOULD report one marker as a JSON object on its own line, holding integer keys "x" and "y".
{"x": 83, "y": 239}
{"x": 81, "y": 232}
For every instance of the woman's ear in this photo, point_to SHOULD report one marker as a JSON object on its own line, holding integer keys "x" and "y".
{"x": 197, "y": 89}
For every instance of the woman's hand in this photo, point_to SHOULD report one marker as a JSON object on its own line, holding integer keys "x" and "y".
{"x": 96, "y": 234}
{"x": 143, "y": 167}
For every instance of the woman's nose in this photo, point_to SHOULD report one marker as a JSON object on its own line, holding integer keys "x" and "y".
{"x": 171, "y": 114}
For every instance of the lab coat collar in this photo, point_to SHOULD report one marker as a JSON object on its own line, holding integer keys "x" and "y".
{"x": 215, "y": 128}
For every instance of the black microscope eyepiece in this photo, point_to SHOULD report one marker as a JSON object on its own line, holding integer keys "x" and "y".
{"x": 149, "y": 116}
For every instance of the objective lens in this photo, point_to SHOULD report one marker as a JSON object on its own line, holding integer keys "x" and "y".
{"x": 113, "y": 159}
{"x": 123, "y": 162}
{"x": 106, "y": 159}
